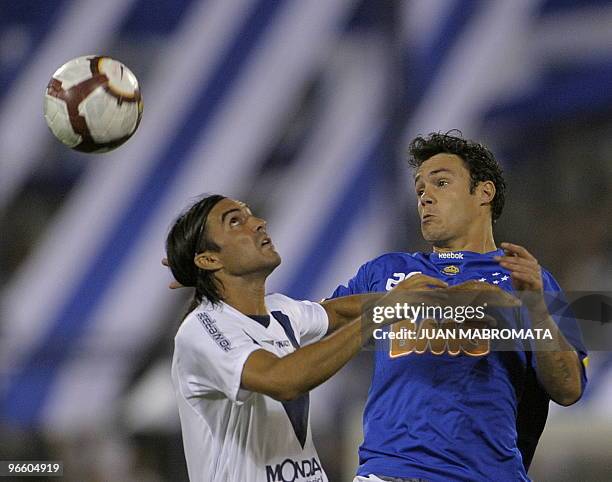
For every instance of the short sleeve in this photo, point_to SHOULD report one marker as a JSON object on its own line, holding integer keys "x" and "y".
{"x": 356, "y": 285}
{"x": 312, "y": 320}
{"x": 309, "y": 319}
{"x": 210, "y": 356}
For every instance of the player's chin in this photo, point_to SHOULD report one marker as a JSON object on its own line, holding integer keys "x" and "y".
{"x": 273, "y": 259}
{"x": 430, "y": 234}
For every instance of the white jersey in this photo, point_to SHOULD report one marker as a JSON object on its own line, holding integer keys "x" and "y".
{"x": 231, "y": 434}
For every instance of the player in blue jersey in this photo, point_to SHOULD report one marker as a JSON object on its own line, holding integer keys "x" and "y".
{"x": 464, "y": 412}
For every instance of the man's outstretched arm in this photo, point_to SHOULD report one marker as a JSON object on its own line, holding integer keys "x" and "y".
{"x": 342, "y": 310}
{"x": 288, "y": 377}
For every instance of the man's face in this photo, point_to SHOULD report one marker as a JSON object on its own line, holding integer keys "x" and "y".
{"x": 245, "y": 247}
{"x": 445, "y": 205}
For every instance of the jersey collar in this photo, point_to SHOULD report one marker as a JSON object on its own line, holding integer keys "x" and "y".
{"x": 263, "y": 320}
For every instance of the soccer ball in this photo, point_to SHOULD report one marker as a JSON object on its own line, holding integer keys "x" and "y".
{"x": 93, "y": 104}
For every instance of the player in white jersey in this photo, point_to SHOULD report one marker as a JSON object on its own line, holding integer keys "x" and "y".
{"x": 244, "y": 362}
{"x": 230, "y": 433}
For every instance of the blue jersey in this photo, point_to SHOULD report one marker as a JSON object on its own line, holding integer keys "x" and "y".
{"x": 442, "y": 415}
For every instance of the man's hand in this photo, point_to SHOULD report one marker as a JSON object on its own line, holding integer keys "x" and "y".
{"x": 418, "y": 288}
{"x": 173, "y": 284}
{"x": 478, "y": 292}
{"x": 526, "y": 274}
{"x": 419, "y": 282}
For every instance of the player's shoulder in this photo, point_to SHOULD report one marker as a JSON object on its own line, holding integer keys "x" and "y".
{"x": 278, "y": 298}
{"x": 394, "y": 258}
{"x": 205, "y": 318}
{"x": 279, "y": 301}
{"x": 550, "y": 282}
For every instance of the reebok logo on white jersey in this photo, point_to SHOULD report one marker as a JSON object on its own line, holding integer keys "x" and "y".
{"x": 449, "y": 255}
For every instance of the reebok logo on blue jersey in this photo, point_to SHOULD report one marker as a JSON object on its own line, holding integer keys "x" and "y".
{"x": 450, "y": 255}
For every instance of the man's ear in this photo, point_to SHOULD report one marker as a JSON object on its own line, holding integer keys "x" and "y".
{"x": 486, "y": 192}
{"x": 208, "y": 260}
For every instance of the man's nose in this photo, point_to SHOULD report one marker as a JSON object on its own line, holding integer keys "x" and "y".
{"x": 426, "y": 198}
{"x": 259, "y": 224}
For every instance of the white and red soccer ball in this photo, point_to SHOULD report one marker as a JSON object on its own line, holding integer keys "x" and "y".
{"x": 93, "y": 104}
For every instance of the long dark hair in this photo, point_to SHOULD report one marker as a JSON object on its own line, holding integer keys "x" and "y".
{"x": 186, "y": 239}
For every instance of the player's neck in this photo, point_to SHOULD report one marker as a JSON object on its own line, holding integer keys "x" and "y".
{"x": 246, "y": 295}
{"x": 479, "y": 239}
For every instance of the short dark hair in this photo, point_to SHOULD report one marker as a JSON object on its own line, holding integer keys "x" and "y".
{"x": 186, "y": 239}
{"x": 479, "y": 160}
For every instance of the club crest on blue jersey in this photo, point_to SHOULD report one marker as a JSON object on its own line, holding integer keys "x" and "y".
{"x": 451, "y": 270}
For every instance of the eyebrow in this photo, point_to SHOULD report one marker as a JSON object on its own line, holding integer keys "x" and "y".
{"x": 432, "y": 173}
{"x": 226, "y": 213}
{"x": 229, "y": 211}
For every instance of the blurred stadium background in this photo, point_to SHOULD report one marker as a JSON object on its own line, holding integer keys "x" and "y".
{"x": 303, "y": 108}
